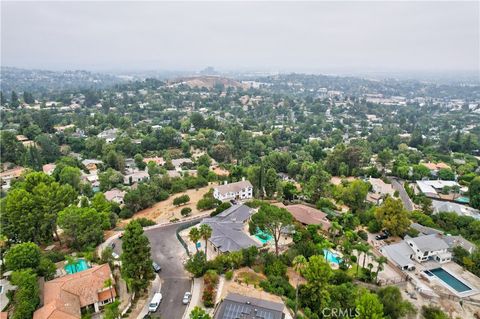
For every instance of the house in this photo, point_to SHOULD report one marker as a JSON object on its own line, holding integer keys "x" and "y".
{"x": 136, "y": 177}
{"x": 400, "y": 254}
{"x": 452, "y": 241}
{"x": 435, "y": 167}
{"x": 157, "y": 160}
{"x": 459, "y": 209}
{"x": 25, "y": 141}
{"x": 108, "y": 135}
{"x": 66, "y": 297}
{"x": 245, "y": 307}
{"x": 229, "y": 229}
{"x": 309, "y": 215}
{"x": 433, "y": 188}
{"x": 115, "y": 195}
{"x": 179, "y": 162}
{"x": 91, "y": 164}
{"x": 49, "y": 168}
{"x": 429, "y": 247}
{"x": 7, "y": 176}
{"x": 237, "y": 190}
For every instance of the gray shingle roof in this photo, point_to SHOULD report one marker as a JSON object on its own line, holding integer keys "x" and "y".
{"x": 430, "y": 242}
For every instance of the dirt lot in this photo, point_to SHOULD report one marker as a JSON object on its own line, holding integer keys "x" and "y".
{"x": 165, "y": 210}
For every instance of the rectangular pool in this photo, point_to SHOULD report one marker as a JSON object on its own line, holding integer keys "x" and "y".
{"x": 80, "y": 265}
{"x": 448, "y": 279}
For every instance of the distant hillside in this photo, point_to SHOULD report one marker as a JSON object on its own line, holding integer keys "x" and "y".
{"x": 38, "y": 81}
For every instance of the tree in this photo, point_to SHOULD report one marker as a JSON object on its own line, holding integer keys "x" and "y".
{"x": 384, "y": 157}
{"x": 139, "y": 162}
{"x": 24, "y": 255}
{"x": 11, "y": 150}
{"x": 289, "y": 191}
{"x": 394, "y": 307}
{"x": 180, "y": 200}
{"x": 109, "y": 179}
{"x": 14, "y": 102}
{"x": 83, "y": 226}
{"x": 108, "y": 283}
{"x": 70, "y": 175}
{"x": 205, "y": 233}
{"x": 317, "y": 184}
{"x": 28, "y": 98}
{"x": 136, "y": 259}
{"x": 354, "y": 194}
{"x": 49, "y": 148}
{"x": 433, "y": 312}
{"x": 194, "y": 235}
{"x": 446, "y": 174}
{"x": 186, "y": 211}
{"x": 31, "y": 208}
{"x": 393, "y": 217}
{"x": 369, "y": 306}
{"x": 199, "y": 313}
{"x": 272, "y": 219}
{"x": 474, "y": 192}
{"x": 26, "y": 297}
{"x": 112, "y": 310}
{"x": 271, "y": 180}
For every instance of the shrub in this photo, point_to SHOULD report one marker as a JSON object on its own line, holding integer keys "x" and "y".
{"x": 362, "y": 234}
{"x": 180, "y": 200}
{"x": 186, "y": 211}
{"x": 125, "y": 213}
{"x": 144, "y": 222}
{"x": 222, "y": 207}
{"x": 229, "y": 275}
{"x": 209, "y": 291}
{"x": 207, "y": 203}
{"x": 55, "y": 256}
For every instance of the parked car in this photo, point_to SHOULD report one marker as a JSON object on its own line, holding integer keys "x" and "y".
{"x": 156, "y": 267}
{"x": 112, "y": 245}
{"x": 115, "y": 255}
{"x": 155, "y": 302}
{"x": 384, "y": 235}
{"x": 186, "y": 298}
{"x": 121, "y": 235}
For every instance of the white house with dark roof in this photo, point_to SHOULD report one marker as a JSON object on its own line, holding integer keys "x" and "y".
{"x": 429, "y": 247}
{"x": 237, "y": 190}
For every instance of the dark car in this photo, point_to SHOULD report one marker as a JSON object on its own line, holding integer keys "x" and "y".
{"x": 384, "y": 235}
{"x": 156, "y": 267}
{"x": 112, "y": 245}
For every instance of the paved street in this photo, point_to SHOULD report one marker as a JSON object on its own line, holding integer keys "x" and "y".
{"x": 169, "y": 254}
{"x": 407, "y": 202}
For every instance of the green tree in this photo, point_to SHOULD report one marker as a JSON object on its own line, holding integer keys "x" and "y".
{"x": 393, "y": 216}
{"x": 27, "y": 295}
{"x": 446, "y": 174}
{"x": 139, "y": 162}
{"x": 24, "y": 255}
{"x": 31, "y": 208}
{"x": 194, "y": 235}
{"x": 70, "y": 175}
{"x": 136, "y": 259}
{"x": 354, "y": 194}
{"x": 271, "y": 180}
{"x": 433, "y": 312}
{"x": 83, "y": 226}
{"x": 11, "y": 150}
{"x": 199, "y": 313}
{"x": 369, "y": 306}
{"x": 272, "y": 219}
{"x": 394, "y": 307}
{"x": 180, "y": 200}
{"x": 474, "y": 192}
{"x": 109, "y": 179}
{"x": 205, "y": 233}
{"x": 112, "y": 310}
{"x": 14, "y": 102}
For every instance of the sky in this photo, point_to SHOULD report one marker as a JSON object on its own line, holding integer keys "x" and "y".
{"x": 263, "y": 36}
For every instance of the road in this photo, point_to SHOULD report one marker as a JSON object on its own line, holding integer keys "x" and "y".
{"x": 407, "y": 202}
{"x": 169, "y": 254}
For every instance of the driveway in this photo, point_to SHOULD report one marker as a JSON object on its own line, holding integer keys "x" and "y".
{"x": 407, "y": 202}
{"x": 170, "y": 255}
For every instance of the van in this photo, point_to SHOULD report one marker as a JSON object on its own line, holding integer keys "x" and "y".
{"x": 155, "y": 302}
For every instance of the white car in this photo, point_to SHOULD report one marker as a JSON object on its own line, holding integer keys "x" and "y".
{"x": 186, "y": 298}
{"x": 155, "y": 302}
{"x": 115, "y": 255}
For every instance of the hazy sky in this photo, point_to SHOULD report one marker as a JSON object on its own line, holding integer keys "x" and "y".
{"x": 284, "y": 36}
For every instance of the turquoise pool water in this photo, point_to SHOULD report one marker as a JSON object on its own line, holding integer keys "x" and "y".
{"x": 331, "y": 257}
{"x": 81, "y": 265}
{"x": 463, "y": 200}
{"x": 263, "y": 236}
{"x": 449, "y": 279}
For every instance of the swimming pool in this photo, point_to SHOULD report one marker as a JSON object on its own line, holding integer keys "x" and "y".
{"x": 80, "y": 265}
{"x": 331, "y": 257}
{"x": 264, "y": 237}
{"x": 448, "y": 279}
{"x": 463, "y": 200}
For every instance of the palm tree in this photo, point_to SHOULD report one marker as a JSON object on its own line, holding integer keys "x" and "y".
{"x": 381, "y": 261}
{"x": 194, "y": 236}
{"x": 335, "y": 230}
{"x": 205, "y": 233}
{"x": 108, "y": 284}
{"x": 299, "y": 263}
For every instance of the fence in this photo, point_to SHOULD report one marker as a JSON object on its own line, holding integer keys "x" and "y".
{"x": 183, "y": 227}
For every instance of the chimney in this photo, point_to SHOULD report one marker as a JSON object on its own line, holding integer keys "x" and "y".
{"x": 225, "y": 182}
